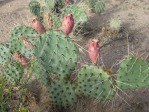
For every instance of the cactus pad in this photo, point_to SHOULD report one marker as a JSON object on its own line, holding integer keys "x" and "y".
{"x": 100, "y": 6}
{"x": 50, "y": 3}
{"x": 15, "y": 40}
{"x": 91, "y": 3}
{"x": 62, "y": 93}
{"x": 57, "y": 53}
{"x": 133, "y": 73}
{"x": 5, "y": 54}
{"x": 95, "y": 83}
{"x": 13, "y": 72}
{"x": 39, "y": 72}
{"x": 34, "y": 7}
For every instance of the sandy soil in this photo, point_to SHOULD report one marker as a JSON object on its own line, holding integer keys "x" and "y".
{"x": 134, "y": 15}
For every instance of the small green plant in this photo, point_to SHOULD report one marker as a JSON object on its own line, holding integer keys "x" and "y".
{"x": 2, "y": 102}
{"x": 5, "y": 94}
{"x": 115, "y": 25}
{"x": 23, "y": 109}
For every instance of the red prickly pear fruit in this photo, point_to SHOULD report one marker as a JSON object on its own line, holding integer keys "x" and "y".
{"x": 67, "y": 24}
{"x": 21, "y": 59}
{"x": 67, "y": 1}
{"x": 37, "y": 25}
{"x": 93, "y": 50}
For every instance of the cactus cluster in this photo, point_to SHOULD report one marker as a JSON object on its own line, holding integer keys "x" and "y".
{"x": 16, "y": 54}
{"x": 46, "y": 12}
{"x": 52, "y": 56}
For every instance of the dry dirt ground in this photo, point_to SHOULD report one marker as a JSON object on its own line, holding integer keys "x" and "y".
{"x": 134, "y": 15}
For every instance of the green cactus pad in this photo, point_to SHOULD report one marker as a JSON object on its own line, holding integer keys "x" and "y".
{"x": 100, "y": 6}
{"x": 34, "y": 7}
{"x": 133, "y": 73}
{"x": 57, "y": 53}
{"x": 95, "y": 83}
{"x": 16, "y": 45}
{"x": 62, "y": 93}
{"x": 91, "y": 3}
{"x": 56, "y": 22}
{"x": 13, "y": 72}
{"x": 50, "y": 3}
{"x": 39, "y": 72}
{"x": 5, "y": 54}
{"x": 78, "y": 13}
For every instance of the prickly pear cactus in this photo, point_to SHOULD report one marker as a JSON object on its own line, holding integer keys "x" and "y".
{"x": 133, "y": 73}
{"x": 57, "y": 53}
{"x": 95, "y": 83}
{"x": 23, "y": 39}
{"x": 5, "y": 54}
{"x": 13, "y": 72}
{"x": 62, "y": 93}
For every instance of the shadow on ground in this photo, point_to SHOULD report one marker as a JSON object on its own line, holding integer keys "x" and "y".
{"x": 4, "y": 2}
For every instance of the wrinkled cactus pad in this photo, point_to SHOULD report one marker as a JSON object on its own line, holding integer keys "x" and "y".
{"x": 57, "y": 53}
{"x": 133, "y": 73}
{"x": 5, "y": 54}
{"x": 62, "y": 93}
{"x": 13, "y": 72}
{"x": 95, "y": 83}
{"x": 22, "y": 40}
